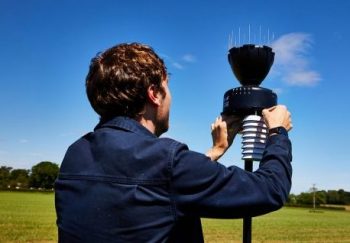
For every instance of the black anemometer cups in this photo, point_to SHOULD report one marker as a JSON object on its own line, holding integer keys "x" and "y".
{"x": 250, "y": 64}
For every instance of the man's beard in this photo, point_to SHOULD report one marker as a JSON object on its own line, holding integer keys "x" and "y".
{"x": 162, "y": 126}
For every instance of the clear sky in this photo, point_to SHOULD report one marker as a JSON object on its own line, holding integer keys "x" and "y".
{"x": 46, "y": 47}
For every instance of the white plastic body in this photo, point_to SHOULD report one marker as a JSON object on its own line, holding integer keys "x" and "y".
{"x": 254, "y": 135}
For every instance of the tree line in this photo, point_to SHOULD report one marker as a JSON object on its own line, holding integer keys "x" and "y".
{"x": 320, "y": 197}
{"x": 44, "y": 174}
{"x": 40, "y": 176}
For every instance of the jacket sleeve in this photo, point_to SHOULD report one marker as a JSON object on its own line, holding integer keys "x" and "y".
{"x": 201, "y": 187}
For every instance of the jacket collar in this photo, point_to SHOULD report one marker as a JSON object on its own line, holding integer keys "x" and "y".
{"x": 125, "y": 123}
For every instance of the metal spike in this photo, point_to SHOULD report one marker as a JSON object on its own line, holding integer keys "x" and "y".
{"x": 249, "y": 34}
{"x": 239, "y": 35}
{"x": 260, "y": 35}
{"x": 231, "y": 38}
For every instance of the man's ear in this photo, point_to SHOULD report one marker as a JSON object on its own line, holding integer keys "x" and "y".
{"x": 153, "y": 95}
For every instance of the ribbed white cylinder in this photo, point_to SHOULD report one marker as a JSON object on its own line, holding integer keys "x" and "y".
{"x": 254, "y": 137}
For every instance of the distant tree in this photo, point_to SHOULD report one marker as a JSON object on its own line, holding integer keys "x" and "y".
{"x": 43, "y": 175}
{"x": 292, "y": 200}
{"x": 346, "y": 197}
{"x": 333, "y": 197}
{"x": 340, "y": 197}
{"x": 4, "y": 176}
{"x": 312, "y": 198}
{"x": 321, "y": 197}
{"x": 305, "y": 198}
{"x": 19, "y": 178}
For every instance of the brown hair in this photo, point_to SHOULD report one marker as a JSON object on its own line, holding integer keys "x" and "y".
{"x": 118, "y": 79}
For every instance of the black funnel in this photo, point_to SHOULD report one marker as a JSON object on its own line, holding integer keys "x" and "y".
{"x": 251, "y": 63}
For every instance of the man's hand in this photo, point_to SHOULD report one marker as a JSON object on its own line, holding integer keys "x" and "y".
{"x": 223, "y": 131}
{"x": 277, "y": 116}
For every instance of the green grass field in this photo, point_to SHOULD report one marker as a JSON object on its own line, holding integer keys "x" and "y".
{"x": 30, "y": 217}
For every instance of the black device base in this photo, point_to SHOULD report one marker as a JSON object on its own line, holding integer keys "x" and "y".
{"x": 247, "y": 100}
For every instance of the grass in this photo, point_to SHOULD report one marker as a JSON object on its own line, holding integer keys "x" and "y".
{"x": 30, "y": 217}
{"x": 285, "y": 225}
{"x": 27, "y": 217}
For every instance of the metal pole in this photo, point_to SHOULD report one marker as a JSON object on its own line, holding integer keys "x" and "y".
{"x": 247, "y": 221}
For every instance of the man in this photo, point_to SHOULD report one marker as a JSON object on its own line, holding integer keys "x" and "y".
{"x": 122, "y": 183}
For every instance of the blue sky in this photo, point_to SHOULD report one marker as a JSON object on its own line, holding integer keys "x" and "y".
{"x": 46, "y": 47}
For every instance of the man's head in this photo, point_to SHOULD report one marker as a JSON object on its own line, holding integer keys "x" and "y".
{"x": 120, "y": 80}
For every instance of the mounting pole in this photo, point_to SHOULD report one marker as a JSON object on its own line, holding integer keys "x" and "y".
{"x": 247, "y": 221}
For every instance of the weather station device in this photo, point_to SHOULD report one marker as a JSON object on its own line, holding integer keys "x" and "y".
{"x": 250, "y": 64}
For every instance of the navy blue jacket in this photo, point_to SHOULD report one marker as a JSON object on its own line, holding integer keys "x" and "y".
{"x": 121, "y": 183}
